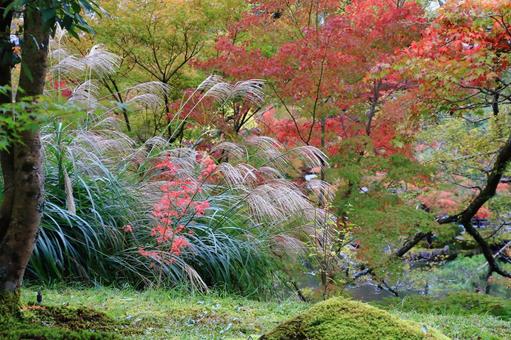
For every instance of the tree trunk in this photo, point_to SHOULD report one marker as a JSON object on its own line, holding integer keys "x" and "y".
{"x": 5, "y": 98}
{"x": 24, "y": 160}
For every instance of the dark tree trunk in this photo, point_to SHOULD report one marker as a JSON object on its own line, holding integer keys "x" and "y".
{"x": 5, "y": 98}
{"x": 5, "y": 50}
{"x": 23, "y": 166}
{"x": 8, "y": 303}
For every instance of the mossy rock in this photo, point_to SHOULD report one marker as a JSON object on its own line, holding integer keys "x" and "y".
{"x": 340, "y": 318}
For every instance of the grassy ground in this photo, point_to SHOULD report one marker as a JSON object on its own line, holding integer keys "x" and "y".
{"x": 160, "y": 314}
{"x": 463, "y": 326}
{"x": 163, "y": 314}
{"x": 461, "y": 315}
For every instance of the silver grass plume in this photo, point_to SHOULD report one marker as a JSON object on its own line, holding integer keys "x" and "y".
{"x": 223, "y": 92}
{"x": 154, "y": 87}
{"x": 322, "y": 190}
{"x": 278, "y": 200}
{"x": 68, "y": 188}
{"x": 68, "y": 65}
{"x": 270, "y": 150}
{"x": 311, "y": 156}
{"x": 209, "y": 82}
{"x": 85, "y": 95}
{"x": 101, "y": 62}
{"x": 232, "y": 150}
{"x": 231, "y": 174}
{"x": 147, "y": 100}
{"x": 251, "y": 90}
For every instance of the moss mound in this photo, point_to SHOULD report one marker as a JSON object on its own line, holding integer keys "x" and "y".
{"x": 42, "y": 322}
{"x": 340, "y": 318}
{"x": 72, "y": 318}
{"x": 23, "y": 331}
{"x": 9, "y": 304}
{"x": 452, "y": 304}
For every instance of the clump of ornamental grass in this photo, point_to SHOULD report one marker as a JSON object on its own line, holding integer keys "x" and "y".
{"x": 198, "y": 194}
{"x": 158, "y": 215}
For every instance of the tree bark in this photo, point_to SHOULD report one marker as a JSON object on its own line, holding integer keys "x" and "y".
{"x": 26, "y": 164}
{"x": 5, "y": 50}
{"x": 5, "y": 98}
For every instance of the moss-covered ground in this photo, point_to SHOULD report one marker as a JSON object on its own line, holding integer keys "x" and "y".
{"x": 459, "y": 315}
{"x": 103, "y": 313}
{"x": 340, "y": 318}
{"x": 160, "y": 314}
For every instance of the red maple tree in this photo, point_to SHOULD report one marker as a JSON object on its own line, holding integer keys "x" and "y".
{"x": 327, "y": 66}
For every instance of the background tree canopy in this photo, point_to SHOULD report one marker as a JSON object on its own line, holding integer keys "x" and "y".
{"x": 270, "y": 149}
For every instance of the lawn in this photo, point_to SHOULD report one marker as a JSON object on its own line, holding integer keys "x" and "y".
{"x": 172, "y": 314}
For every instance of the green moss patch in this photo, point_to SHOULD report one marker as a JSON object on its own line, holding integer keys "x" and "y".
{"x": 23, "y": 331}
{"x": 340, "y": 318}
{"x": 452, "y": 304}
{"x": 48, "y": 322}
{"x": 71, "y": 318}
{"x": 9, "y": 304}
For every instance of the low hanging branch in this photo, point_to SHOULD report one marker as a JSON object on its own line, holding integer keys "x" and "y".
{"x": 465, "y": 217}
{"x": 411, "y": 243}
{"x": 407, "y": 246}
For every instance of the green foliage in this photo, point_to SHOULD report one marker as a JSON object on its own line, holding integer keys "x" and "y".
{"x": 69, "y": 14}
{"x": 339, "y": 318}
{"x": 463, "y": 144}
{"x": 15, "y": 119}
{"x": 461, "y": 303}
{"x": 374, "y": 197}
